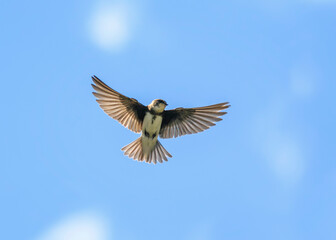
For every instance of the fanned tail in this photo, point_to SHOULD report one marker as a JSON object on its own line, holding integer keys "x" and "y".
{"x": 134, "y": 150}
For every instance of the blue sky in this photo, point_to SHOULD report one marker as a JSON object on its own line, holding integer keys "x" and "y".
{"x": 267, "y": 171}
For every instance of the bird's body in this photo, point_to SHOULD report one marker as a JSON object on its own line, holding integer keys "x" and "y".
{"x": 150, "y": 132}
{"x": 153, "y": 121}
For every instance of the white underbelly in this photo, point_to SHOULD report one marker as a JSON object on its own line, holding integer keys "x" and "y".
{"x": 150, "y": 131}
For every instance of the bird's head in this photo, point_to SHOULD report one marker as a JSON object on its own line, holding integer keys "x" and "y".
{"x": 157, "y": 105}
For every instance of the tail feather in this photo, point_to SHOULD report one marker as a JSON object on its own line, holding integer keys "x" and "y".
{"x": 137, "y": 152}
{"x": 134, "y": 150}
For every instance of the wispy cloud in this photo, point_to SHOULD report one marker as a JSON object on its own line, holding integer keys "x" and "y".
{"x": 82, "y": 226}
{"x": 277, "y": 134}
{"x": 111, "y": 25}
{"x": 202, "y": 231}
{"x": 302, "y": 80}
{"x": 281, "y": 5}
{"x": 280, "y": 147}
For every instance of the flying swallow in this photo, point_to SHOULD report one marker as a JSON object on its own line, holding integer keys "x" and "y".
{"x": 154, "y": 121}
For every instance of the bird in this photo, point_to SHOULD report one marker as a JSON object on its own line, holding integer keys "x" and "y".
{"x": 153, "y": 121}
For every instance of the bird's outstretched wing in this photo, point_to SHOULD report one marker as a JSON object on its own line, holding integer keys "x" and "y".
{"x": 128, "y": 111}
{"x": 182, "y": 121}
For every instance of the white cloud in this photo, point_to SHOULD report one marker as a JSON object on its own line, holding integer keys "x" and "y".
{"x": 278, "y": 138}
{"x": 111, "y": 25}
{"x": 285, "y": 157}
{"x": 83, "y": 226}
{"x": 202, "y": 231}
{"x": 302, "y": 84}
{"x": 302, "y": 80}
{"x": 279, "y": 146}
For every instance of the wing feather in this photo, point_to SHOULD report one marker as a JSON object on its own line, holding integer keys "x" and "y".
{"x": 182, "y": 121}
{"x": 128, "y": 111}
